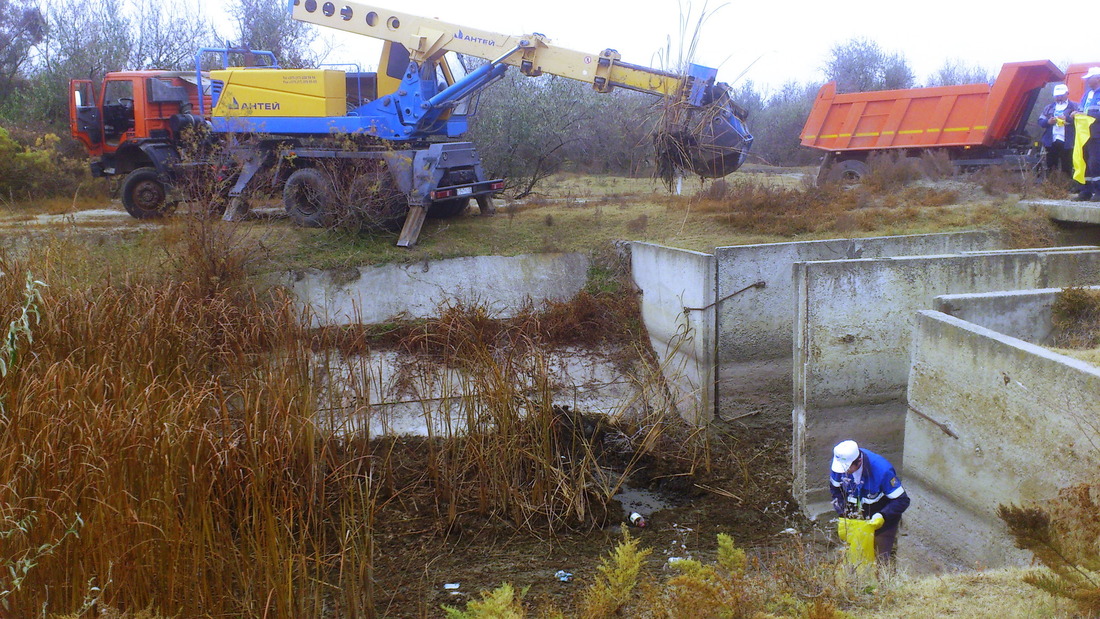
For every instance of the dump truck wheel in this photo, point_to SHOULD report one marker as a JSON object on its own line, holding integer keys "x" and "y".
{"x": 448, "y": 208}
{"x": 144, "y": 195}
{"x": 848, "y": 172}
{"x": 307, "y": 198}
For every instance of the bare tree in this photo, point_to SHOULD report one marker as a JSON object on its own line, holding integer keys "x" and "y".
{"x": 167, "y": 35}
{"x": 22, "y": 26}
{"x": 955, "y": 71}
{"x": 266, "y": 24}
{"x": 860, "y": 65}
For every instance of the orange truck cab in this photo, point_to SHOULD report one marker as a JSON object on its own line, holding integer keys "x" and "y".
{"x": 975, "y": 124}
{"x": 133, "y": 129}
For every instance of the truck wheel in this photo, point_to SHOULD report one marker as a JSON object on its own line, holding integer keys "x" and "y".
{"x": 848, "y": 172}
{"x": 144, "y": 195}
{"x": 448, "y": 208}
{"x": 307, "y": 198}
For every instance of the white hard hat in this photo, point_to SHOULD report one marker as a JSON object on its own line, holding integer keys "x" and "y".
{"x": 1061, "y": 89}
{"x": 1093, "y": 72}
{"x": 844, "y": 454}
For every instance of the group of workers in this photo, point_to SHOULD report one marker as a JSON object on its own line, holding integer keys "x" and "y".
{"x": 1064, "y": 123}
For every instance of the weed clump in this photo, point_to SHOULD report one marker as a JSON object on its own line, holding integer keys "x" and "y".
{"x": 618, "y": 576}
{"x": 1076, "y": 318}
{"x": 1029, "y": 229}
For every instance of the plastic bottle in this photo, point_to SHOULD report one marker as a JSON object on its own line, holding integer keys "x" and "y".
{"x": 637, "y": 519}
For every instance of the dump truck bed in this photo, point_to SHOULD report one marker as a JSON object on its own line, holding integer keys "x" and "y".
{"x": 945, "y": 116}
{"x": 1074, "y": 79}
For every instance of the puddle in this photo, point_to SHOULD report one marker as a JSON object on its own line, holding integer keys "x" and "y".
{"x": 640, "y": 500}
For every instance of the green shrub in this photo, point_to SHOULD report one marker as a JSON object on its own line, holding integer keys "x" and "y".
{"x": 33, "y": 166}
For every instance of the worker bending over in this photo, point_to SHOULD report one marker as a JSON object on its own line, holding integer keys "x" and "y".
{"x": 864, "y": 485}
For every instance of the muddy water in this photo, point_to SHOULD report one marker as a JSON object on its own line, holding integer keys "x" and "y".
{"x": 387, "y": 393}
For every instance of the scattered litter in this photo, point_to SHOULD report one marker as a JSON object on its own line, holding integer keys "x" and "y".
{"x": 637, "y": 519}
{"x": 563, "y": 576}
{"x": 673, "y": 560}
{"x": 451, "y": 586}
{"x": 790, "y": 531}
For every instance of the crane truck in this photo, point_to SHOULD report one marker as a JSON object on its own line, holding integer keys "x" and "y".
{"x": 383, "y": 144}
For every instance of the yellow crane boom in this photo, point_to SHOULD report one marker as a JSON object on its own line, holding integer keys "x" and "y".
{"x": 428, "y": 39}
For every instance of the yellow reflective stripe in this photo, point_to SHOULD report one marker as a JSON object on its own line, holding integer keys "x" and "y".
{"x": 872, "y": 134}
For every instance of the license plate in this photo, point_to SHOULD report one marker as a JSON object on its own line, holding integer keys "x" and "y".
{"x": 464, "y": 191}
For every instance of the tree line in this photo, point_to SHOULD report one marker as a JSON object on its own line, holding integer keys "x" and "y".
{"x": 525, "y": 128}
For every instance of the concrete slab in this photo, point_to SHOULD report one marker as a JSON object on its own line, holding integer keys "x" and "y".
{"x": 1068, "y": 210}
{"x": 375, "y": 294}
{"x": 678, "y": 309}
{"x": 992, "y": 420}
{"x": 756, "y": 305}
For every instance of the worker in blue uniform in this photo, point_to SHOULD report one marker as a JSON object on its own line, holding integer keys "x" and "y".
{"x": 1090, "y": 106}
{"x": 864, "y": 485}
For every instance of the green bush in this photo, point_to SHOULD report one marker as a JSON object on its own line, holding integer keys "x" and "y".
{"x": 33, "y": 166}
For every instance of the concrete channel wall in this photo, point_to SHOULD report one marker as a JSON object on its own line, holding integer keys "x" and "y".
{"x": 677, "y": 305}
{"x": 756, "y": 305}
{"x": 1022, "y": 314}
{"x": 991, "y": 420}
{"x": 852, "y": 342}
{"x": 375, "y": 294}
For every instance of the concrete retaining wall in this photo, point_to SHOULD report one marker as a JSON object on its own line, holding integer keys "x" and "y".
{"x": 852, "y": 342}
{"x": 992, "y": 420}
{"x": 677, "y": 306}
{"x": 755, "y": 323}
{"x": 1022, "y": 314}
{"x": 374, "y": 294}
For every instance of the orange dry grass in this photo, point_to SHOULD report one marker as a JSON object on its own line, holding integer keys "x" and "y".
{"x": 177, "y": 424}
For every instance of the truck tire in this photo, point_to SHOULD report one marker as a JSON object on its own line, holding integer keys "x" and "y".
{"x": 448, "y": 208}
{"x": 848, "y": 172}
{"x": 308, "y": 199}
{"x": 144, "y": 195}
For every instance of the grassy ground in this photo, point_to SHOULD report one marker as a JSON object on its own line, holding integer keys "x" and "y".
{"x": 412, "y": 553}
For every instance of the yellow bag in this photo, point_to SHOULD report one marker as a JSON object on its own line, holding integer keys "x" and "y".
{"x": 860, "y": 535}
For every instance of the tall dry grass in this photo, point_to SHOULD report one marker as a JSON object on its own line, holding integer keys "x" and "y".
{"x": 163, "y": 449}
{"x": 175, "y": 423}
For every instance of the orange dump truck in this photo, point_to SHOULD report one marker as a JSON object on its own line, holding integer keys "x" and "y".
{"x": 975, "y": 124}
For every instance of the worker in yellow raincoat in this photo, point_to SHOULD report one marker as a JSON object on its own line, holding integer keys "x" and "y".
{"x": 1086, "y": 147}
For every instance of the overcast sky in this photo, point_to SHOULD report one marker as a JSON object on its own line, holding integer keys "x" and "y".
{"x": 791, "y": 39}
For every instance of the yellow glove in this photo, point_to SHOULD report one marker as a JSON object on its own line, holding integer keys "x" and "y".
{"x": 877, "y": 521}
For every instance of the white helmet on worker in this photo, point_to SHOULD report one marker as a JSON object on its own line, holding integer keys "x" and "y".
{"x": 844, "y": 454}
{"x": 1093, "y": 72}
{"x": 1061, "y": 89}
